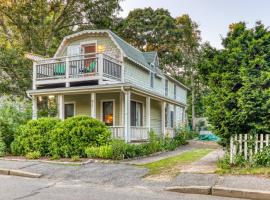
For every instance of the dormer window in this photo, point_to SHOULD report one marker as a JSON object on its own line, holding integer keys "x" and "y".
{"x": 166, "y": 87}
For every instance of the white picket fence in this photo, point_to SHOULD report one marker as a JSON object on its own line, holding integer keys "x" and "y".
{"x": 247, "y": 145}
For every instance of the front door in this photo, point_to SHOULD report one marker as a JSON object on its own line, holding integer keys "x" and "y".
{"x": 107, "y": 109}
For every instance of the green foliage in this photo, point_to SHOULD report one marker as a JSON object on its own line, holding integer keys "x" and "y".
{"x": 262, "y": 158}
{"x": 75, "y": 158}
{"x": 184, "y": 133}
{"x": 33, "y": 155}
{"x": 239, "y": 81}
{"x": 2, "y": 147}
{"x": 104, "y": 152}
{"x": 11, "y": 117}
{"x": 73, "y": 135}
{"x": 34, "y": 136}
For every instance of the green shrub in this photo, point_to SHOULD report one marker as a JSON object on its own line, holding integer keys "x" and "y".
{"x": 33, "y": 155}
{"x": 262, "y": 158}
{"x": 104, "y": 152}
{"x": 73, "y": 135}
{"x": 75, "y": 158}
{"x": 2, "y": 147}
{"x": 33, "y": 136}
{"x": 10, "y": 119}
{"x": 119, "y": 148}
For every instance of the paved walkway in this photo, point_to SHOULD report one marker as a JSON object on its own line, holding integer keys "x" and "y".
{"x": 193, "y": 144}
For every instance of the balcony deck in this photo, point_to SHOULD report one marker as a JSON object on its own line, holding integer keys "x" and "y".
{"x": 77, "y": 69}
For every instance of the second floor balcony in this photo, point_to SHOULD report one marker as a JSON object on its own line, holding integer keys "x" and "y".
{"x": 76, "y": 70}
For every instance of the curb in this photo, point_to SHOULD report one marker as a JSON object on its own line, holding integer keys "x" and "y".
{"x": 240, "y": 193}
{"x": 191, "y": 189}
{"x": 19, "y": 173}
{"x": 222, "y": 192}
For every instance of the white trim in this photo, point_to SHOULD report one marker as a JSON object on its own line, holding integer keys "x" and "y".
{"x": 101, "y": 109}
{"x": 70, "y": 102}
{"x": 143, "y": 115}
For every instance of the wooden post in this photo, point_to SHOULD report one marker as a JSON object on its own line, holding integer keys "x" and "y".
{"x": 267, "y": 139}
{"x": 34, "y": 86}
{"x": 261, "y": 142}
{"x": 231, "y": 149}
{"x": 34, "y": 107}
{"x": 61, "y": 107}
{"x": 127, "y": 116}
{"x": 256, "y": 143}
{"x": 245, "y": 147}
{"x": 251, "y": 149}
{"x": 240, "y": 144}
{"x": 67, "y": 73}
{"x": 93, "y": 105}
{"x": 148, "y": 113}
{"x": 163, "y": 128}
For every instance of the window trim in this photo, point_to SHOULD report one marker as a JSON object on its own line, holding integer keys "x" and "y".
{"x": 138, "y": 101}
{"x": 70, "y": 102}
{"x": 101, "y": 109}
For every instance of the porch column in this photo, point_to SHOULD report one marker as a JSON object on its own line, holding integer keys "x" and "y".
{"x": 34, "y": 107}
{"x": 93, "y": 105}
{"x": 127, "y": 116}
{"x": 163, "y": 127}
{"x": 61, "y": 107}
{"x": 34, "y": 86}
{"x": 122, "y": 109}
{"x": 174, "y": 116}
{"x": 148, "y": 112}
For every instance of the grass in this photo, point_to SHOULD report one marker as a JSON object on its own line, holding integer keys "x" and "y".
{"x": 171, "y": 166}
{"x": 265, "y": 171}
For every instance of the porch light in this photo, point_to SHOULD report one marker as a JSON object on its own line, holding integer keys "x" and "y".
{"x": 101, "y": 48}
{"x": 109, "y": 119}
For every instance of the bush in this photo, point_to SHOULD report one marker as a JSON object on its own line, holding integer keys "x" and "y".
{"x": 33, "y": 136}
{"x": 2, "y": 147}
{"x": 104, "y": 152}
{"x": 73, "y": 135}
{"x": 33, "y": 155}
{"x": 119, "y": 148}
{"x": 262, "y": 158}
{"x": 11, "y": 117}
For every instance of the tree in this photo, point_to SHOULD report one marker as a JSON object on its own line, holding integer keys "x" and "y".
{"x": 151, "y": 30}
{"x": 239, "y": 80}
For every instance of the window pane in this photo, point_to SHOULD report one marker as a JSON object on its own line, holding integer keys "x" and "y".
{"x": 133, "y": 113}
{"x": 108, "y": 113}
{"x": 69, "y": 110}
{"x": 136, "y": 114}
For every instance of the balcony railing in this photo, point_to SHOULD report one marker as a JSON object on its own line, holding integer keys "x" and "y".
{"x": 86, "y": 66}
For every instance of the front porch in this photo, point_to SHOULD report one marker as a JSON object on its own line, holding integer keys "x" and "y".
{"x": 129, "y": 114}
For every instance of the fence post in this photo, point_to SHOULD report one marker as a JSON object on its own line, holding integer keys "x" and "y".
{"x": 261, "y": 142}
{"x": 231, "y": 149}
{"x": 245, "y": 146}
{"x": 256, "y": 143}
{"x": 240, "y": 144}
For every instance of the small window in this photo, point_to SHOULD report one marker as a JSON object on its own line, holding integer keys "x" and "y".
{"x": 166, "y": 87}
{"x": 174, "y": 91}
{"x": 136, "y": 114}
{"x": 69, "y": 110}
{"x": 107, "y": 108}
{"x": 172, "y": 119}
{"x": 152, "y": 79}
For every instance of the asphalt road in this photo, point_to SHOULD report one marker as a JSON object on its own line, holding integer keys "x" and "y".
{"x": 18, "y": 188}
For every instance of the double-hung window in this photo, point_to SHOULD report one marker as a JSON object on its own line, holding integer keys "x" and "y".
{"x": 136, "y": 113}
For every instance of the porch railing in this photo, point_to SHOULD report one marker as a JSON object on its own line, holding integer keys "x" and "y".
{"x": 169, "y": 132}
{"x": 78, "y": 66}
{"x": 118, "y": 132}
{"x": 139, "y": 133}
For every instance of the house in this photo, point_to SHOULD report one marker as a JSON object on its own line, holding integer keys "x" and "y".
{"x": 96, "y": 73}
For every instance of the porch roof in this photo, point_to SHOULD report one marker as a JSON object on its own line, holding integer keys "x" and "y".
{"x": 105, "y": 88}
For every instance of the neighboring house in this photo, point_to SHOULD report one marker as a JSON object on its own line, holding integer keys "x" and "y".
{"x": 98, "y": 74}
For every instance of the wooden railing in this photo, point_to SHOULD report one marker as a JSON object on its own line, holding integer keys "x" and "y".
{"x": 139, "y": 133}
{"x": 78, "y": 66}
{"x": 118, "y": 132}
{"x": 247, "y": 145}
{"x": 169, "y": 132}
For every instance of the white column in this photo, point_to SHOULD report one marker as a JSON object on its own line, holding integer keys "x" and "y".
{"x": 127, "y": 116}
{"x": 163, "y": 128}
{"x": 61, "y": 107}
{"x": 100, "y": 68}
{"x": 93, "y": 105}
{"x": 122, "y": 109}
{"x": 34, "y": 107}
{"x": 148, "y": 112}
{"x": 174, "y": 116}
{"x": 34, "y": 86}
{"x": 67, "y": 73}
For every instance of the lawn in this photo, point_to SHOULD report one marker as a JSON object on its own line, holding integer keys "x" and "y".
{"x": 170, "y": 167}
{"x": 265, "y": 171}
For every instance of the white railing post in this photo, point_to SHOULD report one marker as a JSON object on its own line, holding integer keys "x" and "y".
{"x": 100, "y": 67}
{"x": 34, "y": 86}
{"x": 93, "y": 105}
{"x": 34, "y": 107}
{"x": 67, "y": 73}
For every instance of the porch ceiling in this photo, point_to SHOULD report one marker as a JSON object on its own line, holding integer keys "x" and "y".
{"x": 105, "y": 88}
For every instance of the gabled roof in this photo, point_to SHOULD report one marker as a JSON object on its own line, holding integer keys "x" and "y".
{"x": 150, "y": 57}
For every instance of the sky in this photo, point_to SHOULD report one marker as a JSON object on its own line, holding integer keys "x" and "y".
{"x": 213, "y": 16}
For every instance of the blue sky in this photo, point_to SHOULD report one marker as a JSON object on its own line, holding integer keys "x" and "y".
{"x": 213, "y": 16}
